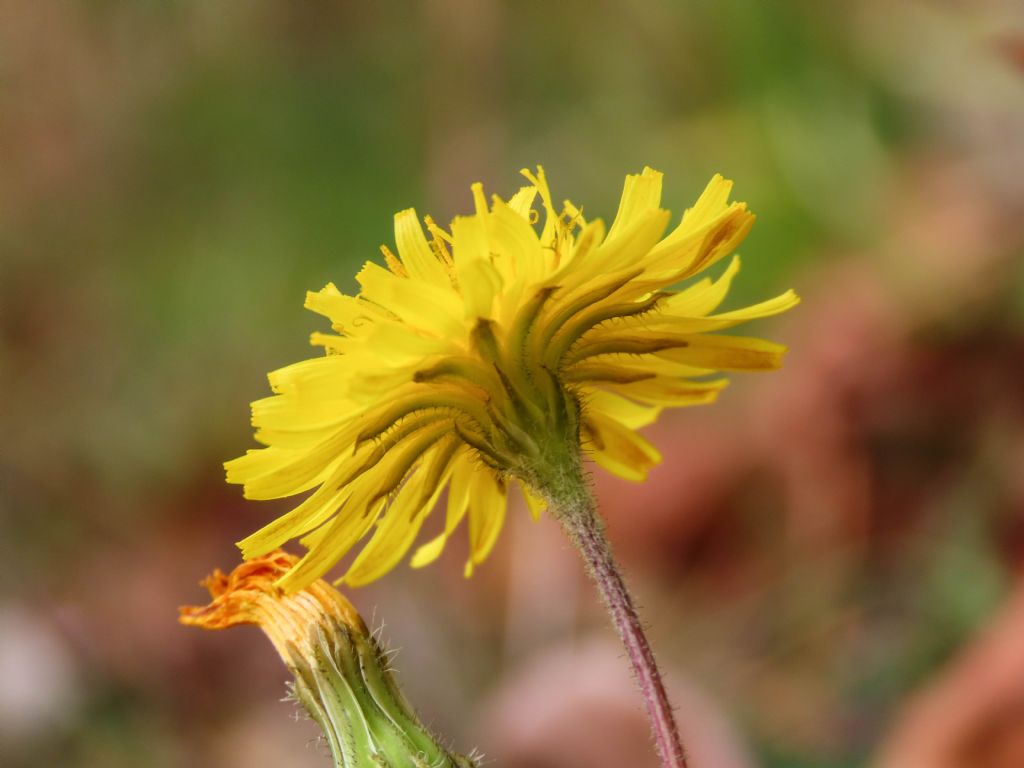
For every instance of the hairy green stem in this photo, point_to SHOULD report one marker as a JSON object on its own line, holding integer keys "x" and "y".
{"x": 348, "y": 690}
{"x": 576, "y": 510}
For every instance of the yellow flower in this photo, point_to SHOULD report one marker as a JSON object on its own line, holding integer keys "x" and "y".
{"x": 492, "y": 354}
{"x": 342, "y": 675}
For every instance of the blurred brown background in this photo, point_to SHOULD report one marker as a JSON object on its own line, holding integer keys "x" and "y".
{"x": 830, "y": 560}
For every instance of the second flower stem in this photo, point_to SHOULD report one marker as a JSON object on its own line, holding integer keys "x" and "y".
{"x": 579, "y": 516}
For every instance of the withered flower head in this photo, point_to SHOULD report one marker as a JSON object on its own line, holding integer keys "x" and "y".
{"x": 341, "y": 672}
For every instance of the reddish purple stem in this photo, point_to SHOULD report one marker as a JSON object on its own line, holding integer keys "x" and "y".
{"x": 585, "y": 529}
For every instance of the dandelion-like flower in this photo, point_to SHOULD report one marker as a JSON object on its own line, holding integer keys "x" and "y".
{"x": 492, "y": 354}
{"x": 342, "y": 675}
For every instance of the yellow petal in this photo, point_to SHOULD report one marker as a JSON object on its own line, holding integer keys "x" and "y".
{"x": 320, "y": 378}
{"x": 343, "y": 311}
{"x": 287, "y": 412}
{"x": 551, "y": 218}
{"x": 619, "y": 450}
{"x": 627, "y": 251}
{"x": 429, "y": 552}
{"x": 662, "y": 324}
{"x": 626, "y": 412}
{"x": 399, "y": 344}
{"x": 256, "y": 462}
{"x": 487, "y": 502}
{"x": 332, "y": 344}
{"x": 534, "y": 503}
{"x": 775, "y": 306}
{"x": 293, "y": 439}
{"x": 590, "y": 238}
{"x": 399, "y": 460}
{"x": 662, "y": 390}
{"x": 713, "y": 201}
{"x": 522, "y": 202}
{"x": 418, "y": 258}
{"x": 728, "y": 353}
{"x": 311, "y": 513}
{"x": 463, "y": 470}
{"x": 708, "y": 231}
{"x": 515, "y": 245}
{"x": 429, "y": 308}
{"x": 396, "y": 531}
{"x": 294, "y": 471}
{"x": 641, "y": 196}
{"x": 626, "y": 368}
{"x": 338, "y": 535}
{"x": 704, "y": 297}
{"x": 459, "y": 491}
{"x": 479, "y": 283}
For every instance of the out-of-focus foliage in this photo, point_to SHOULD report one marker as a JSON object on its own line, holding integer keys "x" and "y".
{"x": 830, "y": 559}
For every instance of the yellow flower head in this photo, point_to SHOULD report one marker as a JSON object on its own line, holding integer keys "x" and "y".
{"x": 490, "y": 354}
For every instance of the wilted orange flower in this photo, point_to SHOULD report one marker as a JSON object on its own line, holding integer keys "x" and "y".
{"x": 341, "y": 673}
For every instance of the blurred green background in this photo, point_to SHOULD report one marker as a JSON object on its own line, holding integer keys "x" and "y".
{"x": 829, "y": 559}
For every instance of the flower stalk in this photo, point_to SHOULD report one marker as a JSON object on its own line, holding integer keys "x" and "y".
{"x": 573, "y": 505}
